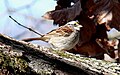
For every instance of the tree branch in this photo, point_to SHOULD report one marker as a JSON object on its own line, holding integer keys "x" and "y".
{"x": 63, "y": 62}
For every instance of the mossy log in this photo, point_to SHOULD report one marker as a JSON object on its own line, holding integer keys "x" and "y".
{"x": 43, "y": 60}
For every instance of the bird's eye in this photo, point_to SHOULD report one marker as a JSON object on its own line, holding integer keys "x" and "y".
{"x": 68, "y": 24}
{"x": 75, "y": 24}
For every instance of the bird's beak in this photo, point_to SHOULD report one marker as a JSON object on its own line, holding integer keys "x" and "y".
{"x": 79, "y": 25}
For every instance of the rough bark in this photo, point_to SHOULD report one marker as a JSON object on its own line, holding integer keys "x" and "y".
{"x": 44, "y": 61}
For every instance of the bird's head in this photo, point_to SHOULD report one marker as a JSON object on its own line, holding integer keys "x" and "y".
{"x": 75, "y": 25}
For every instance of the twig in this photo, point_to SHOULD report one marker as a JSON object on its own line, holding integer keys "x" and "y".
{"x": 26, "y": 27}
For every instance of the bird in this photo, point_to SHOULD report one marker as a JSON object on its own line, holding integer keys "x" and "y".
{"x": 62, "y": 38}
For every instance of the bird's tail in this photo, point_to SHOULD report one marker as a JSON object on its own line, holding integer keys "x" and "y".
{"x": 32, "y": 39}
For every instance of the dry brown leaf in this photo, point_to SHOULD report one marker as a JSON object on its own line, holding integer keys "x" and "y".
{"x": 92, "y": 49}
{"x": 64, "y": 15}
{"x": 107, "y": 11}
{"x": 88, "y": 30}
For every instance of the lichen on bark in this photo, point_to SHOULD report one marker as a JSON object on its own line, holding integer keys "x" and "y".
{"x": 12, "y": 62}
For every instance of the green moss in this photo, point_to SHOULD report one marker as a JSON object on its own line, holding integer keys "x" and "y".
{"x": 13, "y": 65}
{"x": 62, "y": 53}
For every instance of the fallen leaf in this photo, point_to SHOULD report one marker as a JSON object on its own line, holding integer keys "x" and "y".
{"x": 107, "y": 11}
{"x": 64, "y": 15}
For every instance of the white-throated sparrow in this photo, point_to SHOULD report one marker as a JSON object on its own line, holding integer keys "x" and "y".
{"x": 63, "y": 38}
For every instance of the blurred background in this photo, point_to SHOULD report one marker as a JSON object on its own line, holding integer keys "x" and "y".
{"x": 28, "y": 13}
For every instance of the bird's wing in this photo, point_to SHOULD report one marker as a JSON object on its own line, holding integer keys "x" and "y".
{"x": 61, "y": 31}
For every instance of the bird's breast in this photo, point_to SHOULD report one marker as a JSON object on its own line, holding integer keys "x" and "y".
{"x": 64, "y": 43}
